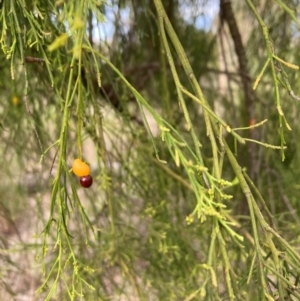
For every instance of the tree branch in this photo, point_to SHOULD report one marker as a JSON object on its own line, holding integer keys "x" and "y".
{"x": 226, "y": 14}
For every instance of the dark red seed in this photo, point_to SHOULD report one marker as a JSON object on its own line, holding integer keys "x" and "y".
{"x": 86, "y": 181}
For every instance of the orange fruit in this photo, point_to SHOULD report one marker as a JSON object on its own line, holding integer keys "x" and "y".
{"x": 80, "y": 168}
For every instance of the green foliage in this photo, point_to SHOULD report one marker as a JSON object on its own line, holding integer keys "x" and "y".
{"x": 158, "y": 113}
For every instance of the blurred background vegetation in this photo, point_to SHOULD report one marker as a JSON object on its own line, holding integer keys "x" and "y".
{"x": 93, "y": 79}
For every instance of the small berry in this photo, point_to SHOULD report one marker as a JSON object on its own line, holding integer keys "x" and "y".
{"x": 80, "y": 168}
{"x": 86, "y": 181}
{"x": 15, "y": 100}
